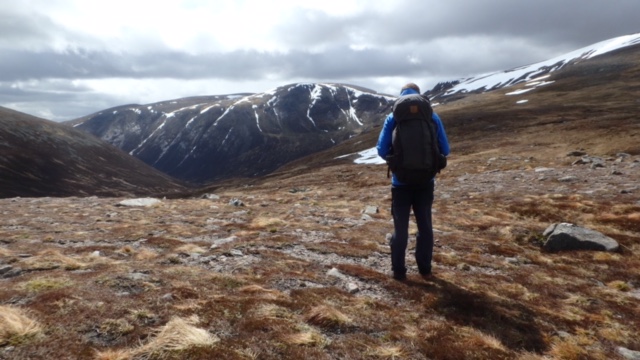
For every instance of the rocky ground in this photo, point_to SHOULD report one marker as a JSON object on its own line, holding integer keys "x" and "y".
{"x": 299, "y": 267}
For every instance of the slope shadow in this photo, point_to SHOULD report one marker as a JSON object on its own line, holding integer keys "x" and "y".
{"x": 512, "y": 323}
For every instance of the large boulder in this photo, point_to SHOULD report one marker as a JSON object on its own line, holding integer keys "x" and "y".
{"x": 564, "y": 236}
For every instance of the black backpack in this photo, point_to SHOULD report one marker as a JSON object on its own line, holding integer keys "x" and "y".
{"x": 415, "y": 156}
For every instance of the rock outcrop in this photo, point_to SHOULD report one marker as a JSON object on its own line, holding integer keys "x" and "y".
{"x": 564, "y": 236}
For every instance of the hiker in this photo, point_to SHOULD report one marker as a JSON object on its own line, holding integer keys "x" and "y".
{"x": 412, "y": 193}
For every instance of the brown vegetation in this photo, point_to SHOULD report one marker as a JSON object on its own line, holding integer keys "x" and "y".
{"x": 201, "y": 279}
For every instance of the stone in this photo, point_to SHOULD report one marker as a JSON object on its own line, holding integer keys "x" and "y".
{"x": 366, "y": 217}
{"x": 335, "y": 273}
{"x": 371, "y": 210}
{"x": 512, "y": 260}
{"x": 542, "y": 169}
{"x": 568, "y": 179}
{"x": 577, "y": 153}
{"x": 389, "y": 238}
{"x": 629, "y": 354}
{"x": 236, "y": 202}
{"x": 236, "y": 253}
{"x": 565, "y": 236}
{"x": 219, "y": 242}
{"x": 353, "y": 288}
{"x": 143, "y": 202}
{"x": 5, "y": 269}
{"x": 210, "y": 197}
{"x": 138, "y": 276}
{"x": 13, "y": 272}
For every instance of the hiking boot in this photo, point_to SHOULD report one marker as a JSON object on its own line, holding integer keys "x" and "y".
{"x": 400, "y": 276}
{"x": 427, "y": 276}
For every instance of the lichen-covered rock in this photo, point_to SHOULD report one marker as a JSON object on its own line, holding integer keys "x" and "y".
{"x": 564, "y": 236}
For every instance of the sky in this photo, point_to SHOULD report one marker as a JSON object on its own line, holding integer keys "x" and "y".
{"x": 63, "y": 59}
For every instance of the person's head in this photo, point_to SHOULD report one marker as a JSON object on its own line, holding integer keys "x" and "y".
{"x": 410, "y": 88}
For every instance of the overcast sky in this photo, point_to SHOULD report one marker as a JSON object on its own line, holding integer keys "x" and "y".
{"x": 62, "y": 59}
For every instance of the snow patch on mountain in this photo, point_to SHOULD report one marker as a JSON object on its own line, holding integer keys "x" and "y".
{"x": 533, "y": 75}
{"x": 521, "y": 74}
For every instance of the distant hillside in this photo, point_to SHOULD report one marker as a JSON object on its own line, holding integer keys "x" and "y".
{"x": 212, "y": 138}
{"x": 202, "y": 139}
{"x": 43, "y": 158}
{"x": 590, "y": 105}
{"x": 534, "y": 74}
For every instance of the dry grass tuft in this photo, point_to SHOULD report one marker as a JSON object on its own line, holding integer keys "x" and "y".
{"x": 177, "y": 335}
{"x": 146, "y": 254}
{"x": 530, "y": 356}
{"x": 606, "y": 256}
{"x": 306, "y": 338}
{"x": 126, "y": 250}
{"x": 272, "y": 311}
{"x": 267, "y": 223}
{"x": 387, "y": 352}
{"x": 113, "y": 355}
{"x": 568, "y": 349}
{"x": 115, "y": 328}
{"x": 327, "y": 317}
{"x": 15, "y": 326}
{"x": 481, "y": 340}
{"x": 45, "y": 284}
{"x": 617, "y": 334}
{"x": 248, "y": 353}
{"x": 190, "y": 249}
{"x": 52, "y": 259}
{"x": 258, "y": 291}
{"x": 619, "y": 285}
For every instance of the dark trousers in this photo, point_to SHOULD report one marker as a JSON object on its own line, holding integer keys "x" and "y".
{"x": 420, "y": 199}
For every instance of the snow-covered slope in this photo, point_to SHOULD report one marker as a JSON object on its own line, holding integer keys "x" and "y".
{"x": 214, "y": 137}
{"x": 501, "y": 79}
{"x": 531, "y": 77}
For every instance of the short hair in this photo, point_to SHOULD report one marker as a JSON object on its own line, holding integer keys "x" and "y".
{"x": 411, "y": 86}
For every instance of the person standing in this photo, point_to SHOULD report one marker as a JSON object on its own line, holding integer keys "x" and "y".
{"x": 416, "y": 195}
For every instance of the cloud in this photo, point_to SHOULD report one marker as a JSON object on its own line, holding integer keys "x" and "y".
{"x": 69, "y": 57}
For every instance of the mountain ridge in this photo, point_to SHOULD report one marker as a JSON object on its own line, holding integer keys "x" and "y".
{"x": 526, "y": 73}
{"x": 44, "y": 158}
{"x": 206, "y": 139}
{"x": 244, "y": 135}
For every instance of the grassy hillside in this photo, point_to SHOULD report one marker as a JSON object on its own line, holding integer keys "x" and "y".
{"x": 299, "y": 271}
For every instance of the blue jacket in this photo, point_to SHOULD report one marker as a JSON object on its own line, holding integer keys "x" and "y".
{"x": 384, "y": 140}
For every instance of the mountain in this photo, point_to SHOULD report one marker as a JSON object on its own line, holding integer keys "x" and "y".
{"x": 44, "y": 158}
{"x": 208, "y": 138}
{"x": 590, "y": 104}
{"x": 202, "y": 139}
{"x": 451, "y": 90}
